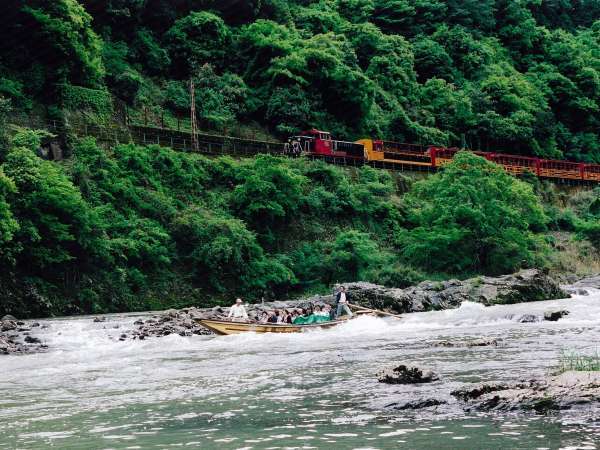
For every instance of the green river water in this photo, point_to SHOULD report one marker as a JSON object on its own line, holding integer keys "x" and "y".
{"x": 310, "y": 390}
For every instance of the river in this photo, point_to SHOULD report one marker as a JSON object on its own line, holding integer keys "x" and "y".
{"x": 310, "y": 390}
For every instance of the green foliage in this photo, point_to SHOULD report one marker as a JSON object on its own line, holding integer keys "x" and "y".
{"x": 28, "y": 138}
{"x": 77, "y": 98}
{"x": 109, "y": 230}
{"x": 472, "y": 217}
{"x": 5, "y": 109}
{"x": 61, "y": 33}
{"x": 352, "y": 255}
{"x": 572, "y": 360}
{"x": 269, "y": 194}
{"x": 197, "y": 39}
{"x": 397, "y": 275}
{"x": 13, "y": 90}
{"x": 590, "y": 231}
{"x": 8, "y": 224}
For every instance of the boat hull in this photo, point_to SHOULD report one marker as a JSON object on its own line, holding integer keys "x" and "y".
{"x": 226, "y": 327}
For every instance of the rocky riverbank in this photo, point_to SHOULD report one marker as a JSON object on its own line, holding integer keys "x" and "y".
{"x": 560, "y": 392}
{"x": 578, "y": 390}
{"x": 16, "y": 337}
{"x": 524, "y": 286}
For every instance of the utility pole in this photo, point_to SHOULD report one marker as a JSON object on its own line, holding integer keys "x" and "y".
{"x": 194, "y": 124}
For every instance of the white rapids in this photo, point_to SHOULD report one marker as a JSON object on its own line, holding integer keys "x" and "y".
{"x": 313, "y": 389}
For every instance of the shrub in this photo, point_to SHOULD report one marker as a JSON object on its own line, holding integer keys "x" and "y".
{"x": 397, "y": 275}
{"x": 472, "y": 216}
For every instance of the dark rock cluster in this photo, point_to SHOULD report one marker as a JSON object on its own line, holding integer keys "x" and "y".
{"x": 569, "y": 390}
{"x": 16, "y": 338}
{"x": 179, "y": 322}
{"x": 404, "y": 373}
{"x": 484, "y": 342}
{"x": 560, "y": 392}
{"x": 554, "y": 316}
{"x": 524, "y": 286}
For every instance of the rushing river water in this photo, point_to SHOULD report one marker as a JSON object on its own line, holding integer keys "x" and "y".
{"x": 309, "y": 390}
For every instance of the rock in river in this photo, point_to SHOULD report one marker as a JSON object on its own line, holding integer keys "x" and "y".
{"x": 524, "y": 286}
{"x": 564, "y": 391}
{"x": 417, "y": 404}
{"x": 553, "y": 316}
{"x": 406, "y": 374}
{"x": 19, "y": 341}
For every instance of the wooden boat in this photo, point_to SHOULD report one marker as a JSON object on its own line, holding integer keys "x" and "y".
{"x": 229, "y": 327}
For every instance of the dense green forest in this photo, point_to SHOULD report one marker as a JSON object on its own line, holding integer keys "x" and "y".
{"x": 124, "y": 227}
{"x": 519, "y": 76}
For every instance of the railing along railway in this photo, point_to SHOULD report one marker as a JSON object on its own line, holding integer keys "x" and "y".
{"x": 210, "y": 144}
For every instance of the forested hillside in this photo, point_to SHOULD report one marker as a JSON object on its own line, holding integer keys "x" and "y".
{"x": 519, "y": 76}
{"x": 124, "y": 227}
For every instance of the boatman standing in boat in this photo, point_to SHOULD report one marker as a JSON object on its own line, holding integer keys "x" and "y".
{"x": 342, "y": 298}
{"x": 237, "y": 312}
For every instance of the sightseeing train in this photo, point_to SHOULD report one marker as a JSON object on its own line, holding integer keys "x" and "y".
{"x": 318, "y": 143}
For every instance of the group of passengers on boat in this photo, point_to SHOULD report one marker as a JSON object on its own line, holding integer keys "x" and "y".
{"x": 296, "y": 316}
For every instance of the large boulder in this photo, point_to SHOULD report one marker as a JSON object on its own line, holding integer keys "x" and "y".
{"x": 524, "y": 286}
{"x": 566, "y": 391}
{"x": 588, "y": 282}
{"x": 403, "y": 373}
{"x": 555, "y": 315}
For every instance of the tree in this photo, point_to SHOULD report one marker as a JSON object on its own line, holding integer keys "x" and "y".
{"x": 472, "y": 216}
{"x": 5, "y": 108}
{"x": 197, "y": 39}
{"x": 268, "y": 195}
{"x": 61, "y": 33}
{"x": 8, "y": 224}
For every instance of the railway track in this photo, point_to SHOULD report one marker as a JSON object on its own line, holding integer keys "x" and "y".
{"x": 216, "y": 145}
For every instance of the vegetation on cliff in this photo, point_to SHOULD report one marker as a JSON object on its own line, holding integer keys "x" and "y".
{"x": 130, "y": 228}
{"x": 135, "y": 228}
{"x": 517, "y": 76}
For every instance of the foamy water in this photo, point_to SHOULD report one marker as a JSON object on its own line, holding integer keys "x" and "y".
{"x": 311, "y": 390}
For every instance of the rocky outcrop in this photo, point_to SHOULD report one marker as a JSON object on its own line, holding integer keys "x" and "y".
{"x": 560, "y": 392}
{"x": 15, "y": 337}
{"x": 468, "y": 344}
{"x": 179, "y": 322}
{"x": 554, "y": 316}
{"x": 527, "y": 285}
{"x": 417, "y": 404}
{"x": 579, "y": 286}
{"x": 403, "y": 373}
{"x": 524, "y": 286}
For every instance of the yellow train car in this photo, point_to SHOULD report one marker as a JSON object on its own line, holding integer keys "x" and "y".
{"x": 373, "y": 149}
{"x": 395, "y": 152}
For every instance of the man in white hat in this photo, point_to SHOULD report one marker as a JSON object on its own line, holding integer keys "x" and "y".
{"x": 237, "y": 312}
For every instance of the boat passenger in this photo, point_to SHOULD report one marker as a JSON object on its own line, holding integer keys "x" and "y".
{"x": 318, "y": 316}
{"x": 264, "y": 317}
{"x": 282, "y": 317}
{"x": 301, "y": 318}
{"x": 342, "y": 299}
{"x": 292, "y": 316}
{"x": 237, "y": 312}
{"x": 274, "y": 316}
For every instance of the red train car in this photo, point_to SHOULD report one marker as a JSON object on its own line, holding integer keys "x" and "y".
{"x": 550, "y": 168}
{"x": 320, "y": 143}
{"x": 591, "y": 172}
{"x": 516, "y": 164}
